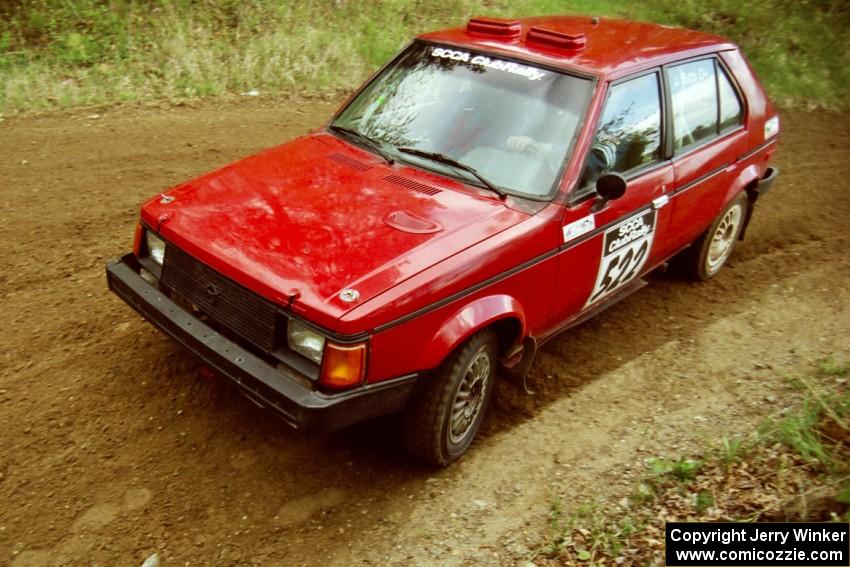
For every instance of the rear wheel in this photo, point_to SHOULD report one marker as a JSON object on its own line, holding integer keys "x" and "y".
{"x": 444, "y": 416}
{"x": 704, "y": 258}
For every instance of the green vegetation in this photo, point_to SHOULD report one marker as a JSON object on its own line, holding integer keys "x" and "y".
{"x": 795, "y": 467}
{"x": 732, "y": 450}
{"x": 586, "y": 535}
{"x": 681, "y": 469}
{"x": 59, "y": 53}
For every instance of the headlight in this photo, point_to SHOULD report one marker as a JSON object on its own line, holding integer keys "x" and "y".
{"x": 156, "y": 247}
{"x": 304, "y": 340}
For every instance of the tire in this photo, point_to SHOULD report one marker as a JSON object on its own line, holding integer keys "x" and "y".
{"x": 704, "y": 258}
{"x": 431, "y": 431}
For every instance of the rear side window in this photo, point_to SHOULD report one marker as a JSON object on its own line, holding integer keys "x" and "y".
{"x": 731, "y": 113}
{"x": 629, "y": 133}
{"x": 704, "y": 102}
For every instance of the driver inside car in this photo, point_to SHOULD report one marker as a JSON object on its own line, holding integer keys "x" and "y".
{"x": 544, "y": 142}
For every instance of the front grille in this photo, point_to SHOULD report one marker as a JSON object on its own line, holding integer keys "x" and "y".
{"x": 221, "y": 299}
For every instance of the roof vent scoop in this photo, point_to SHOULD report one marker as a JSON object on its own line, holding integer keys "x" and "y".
{"x": 558, "y": 40}
{"x": 498, "y": 27}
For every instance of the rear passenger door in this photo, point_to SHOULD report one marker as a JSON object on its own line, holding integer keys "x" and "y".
{"x": 707, "y": 116}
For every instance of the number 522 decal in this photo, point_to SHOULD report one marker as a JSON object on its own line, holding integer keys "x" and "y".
{"x": 625, "y": 250}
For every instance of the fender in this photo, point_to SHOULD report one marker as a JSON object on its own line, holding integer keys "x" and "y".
{"x": 469, "y": 319}
{"x": 747, "y": 176}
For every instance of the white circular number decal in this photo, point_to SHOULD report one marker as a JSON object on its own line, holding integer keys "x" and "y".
{"x": 625, "y": 249}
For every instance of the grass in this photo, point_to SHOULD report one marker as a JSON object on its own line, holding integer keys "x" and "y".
{"x": 794, "y": 467}
{"x": 681, "y": 469}
{"x": 731, "y": 450}
{"x": 63, "y": 53}
{"x": 585, "y": 535}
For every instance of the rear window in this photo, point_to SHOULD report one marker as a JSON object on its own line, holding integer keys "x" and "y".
{"x": 731, "y": 113}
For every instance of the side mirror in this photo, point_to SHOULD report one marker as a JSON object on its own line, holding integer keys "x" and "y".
{"x": 610, "y": 186}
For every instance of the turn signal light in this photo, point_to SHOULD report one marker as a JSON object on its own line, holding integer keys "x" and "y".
{"x": 137, "y": 240}
{"x": 343, "y": 366}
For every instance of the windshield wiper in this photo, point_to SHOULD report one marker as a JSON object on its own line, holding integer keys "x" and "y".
{"x": 374, "y": 144}
{"x": 442, "y": 158}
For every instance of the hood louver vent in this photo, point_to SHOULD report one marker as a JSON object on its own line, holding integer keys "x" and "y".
{"x": 411, "y": 184}
{"x": 350, "y": 162}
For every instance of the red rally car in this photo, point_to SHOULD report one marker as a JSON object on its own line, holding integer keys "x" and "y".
{"x": 489, "y": 187}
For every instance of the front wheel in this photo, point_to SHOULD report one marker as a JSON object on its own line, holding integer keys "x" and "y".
{"x": 444, "y": 416}
{"x": 704, "y": 258}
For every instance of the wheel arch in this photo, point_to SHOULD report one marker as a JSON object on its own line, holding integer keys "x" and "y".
{"x": 502, "y": 313}
{"x": 747, "y": 181}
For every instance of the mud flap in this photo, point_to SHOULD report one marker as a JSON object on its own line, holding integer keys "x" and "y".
{"x": 517, "y": 374}
{"x": 753, "y": 193}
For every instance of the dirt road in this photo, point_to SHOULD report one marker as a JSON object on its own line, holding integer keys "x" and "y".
{"x": 114, "y": 446}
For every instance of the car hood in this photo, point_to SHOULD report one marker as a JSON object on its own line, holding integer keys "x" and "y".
{"x": 317, "y": 216}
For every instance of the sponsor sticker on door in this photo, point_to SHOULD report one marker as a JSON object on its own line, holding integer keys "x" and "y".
{"x": 625, "y": 250}
{"x": 579, "y": 227}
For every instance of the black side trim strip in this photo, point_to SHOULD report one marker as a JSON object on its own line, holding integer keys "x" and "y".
{"x": 699, "y": 179}
{"x": 758, "y": 148}
{"x": 562, "y": 247}
{"x": 606, "y": 226}
{"x": 717, "y": 170}
{"x": 512, "y": 271}
{"x": 458, "y": 295}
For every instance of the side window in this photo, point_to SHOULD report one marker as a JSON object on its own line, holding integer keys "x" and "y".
{"x": 693, "y": 87}
{"x": 731, "y": 114}
{"x": 704, "y": 102}
{"x": 629, "y": 132}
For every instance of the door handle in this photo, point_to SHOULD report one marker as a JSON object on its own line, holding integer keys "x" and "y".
{"x": 659, "y": 202}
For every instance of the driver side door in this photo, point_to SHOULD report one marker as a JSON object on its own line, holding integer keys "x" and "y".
{"x": 605, "y": 250}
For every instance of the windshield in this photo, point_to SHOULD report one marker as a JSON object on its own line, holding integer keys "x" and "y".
{"x": 510, "y": 123}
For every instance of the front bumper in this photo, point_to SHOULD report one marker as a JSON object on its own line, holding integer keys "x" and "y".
{"x": 302, "y": 407}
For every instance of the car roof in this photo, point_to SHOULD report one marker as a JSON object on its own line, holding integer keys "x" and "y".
{"x": 612, "y": 47}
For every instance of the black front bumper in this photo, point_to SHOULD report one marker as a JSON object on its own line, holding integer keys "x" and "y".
{"x": 302, "y": 407}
